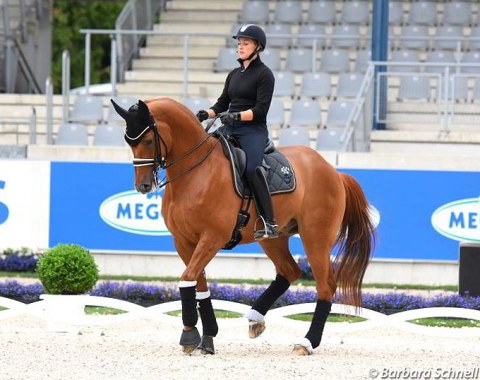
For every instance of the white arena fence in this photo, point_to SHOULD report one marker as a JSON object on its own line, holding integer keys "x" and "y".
{"x": 277, "y": 316}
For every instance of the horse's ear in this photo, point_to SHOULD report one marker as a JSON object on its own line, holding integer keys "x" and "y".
{"x": 143, "y": 109}
{"x": 121, "y": 111}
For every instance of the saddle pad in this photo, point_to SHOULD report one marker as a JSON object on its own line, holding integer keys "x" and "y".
{"x": 280, "y": 174}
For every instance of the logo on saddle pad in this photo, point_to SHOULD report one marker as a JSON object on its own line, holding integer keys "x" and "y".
{"x": 458, "y": 220}
{"x": 135, "y": 213}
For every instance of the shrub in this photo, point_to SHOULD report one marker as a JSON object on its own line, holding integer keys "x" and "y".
{"x": 67, "y": 269}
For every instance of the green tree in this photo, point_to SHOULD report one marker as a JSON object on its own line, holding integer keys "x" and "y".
{"x": 69, "y": 16}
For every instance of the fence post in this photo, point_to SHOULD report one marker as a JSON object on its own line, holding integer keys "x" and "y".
{"x": 49, "y": 95}
{"x": 380, "y": 53}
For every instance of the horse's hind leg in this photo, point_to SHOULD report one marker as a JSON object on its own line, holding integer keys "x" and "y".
{"x": 287, "y": 272}
{"x": 317, "y": 249}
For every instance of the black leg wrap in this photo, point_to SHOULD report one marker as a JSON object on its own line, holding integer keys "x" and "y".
{"x": 271, "y": 294}
{"x": 189, "y": 306}
{"x": 209, "y": 322}
{"x": 322, "y": 310}
{"x": 206, "y": 345}
{"x": 190, "y": 337}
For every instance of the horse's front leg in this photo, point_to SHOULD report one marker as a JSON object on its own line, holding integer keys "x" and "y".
{"x": 193, "y": 278}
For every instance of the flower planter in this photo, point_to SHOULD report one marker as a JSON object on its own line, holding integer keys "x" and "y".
{"x": 63, "y": 312}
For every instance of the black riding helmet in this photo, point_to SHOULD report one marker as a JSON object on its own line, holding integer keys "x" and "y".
{"x": 254, "y": 32}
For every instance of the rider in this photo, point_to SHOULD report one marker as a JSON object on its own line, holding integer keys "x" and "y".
{"x": 247, "y": 95}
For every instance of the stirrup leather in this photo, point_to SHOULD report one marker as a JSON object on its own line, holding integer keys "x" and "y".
{"x": 267, "y": 231}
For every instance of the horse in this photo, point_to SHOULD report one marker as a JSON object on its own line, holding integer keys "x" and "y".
{"x": 327, "y": 209}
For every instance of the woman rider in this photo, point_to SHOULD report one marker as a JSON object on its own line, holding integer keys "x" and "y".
{"x": 247, "y": 95}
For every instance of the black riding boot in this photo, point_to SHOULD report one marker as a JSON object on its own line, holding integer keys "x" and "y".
{"x": 263, "y": 201}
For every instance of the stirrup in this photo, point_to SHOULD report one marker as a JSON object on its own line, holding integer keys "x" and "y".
{"x": 268, "y": 231}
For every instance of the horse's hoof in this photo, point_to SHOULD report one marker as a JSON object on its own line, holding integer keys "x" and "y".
{"x": 190, "y": 340}
{"x": 206, "y": 346}
{"x": 300, "y": 350}
{"x": 255, "y": 329}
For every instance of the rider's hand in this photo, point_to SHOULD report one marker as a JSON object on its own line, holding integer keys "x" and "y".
{"x": 230, "y": 118}
{"x": 202, "y": 115}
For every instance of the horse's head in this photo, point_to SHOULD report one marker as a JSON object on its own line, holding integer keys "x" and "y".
{"x": 142, "y": 135}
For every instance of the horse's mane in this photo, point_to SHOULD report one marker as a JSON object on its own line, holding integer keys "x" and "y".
{"x": 161, "y": 107}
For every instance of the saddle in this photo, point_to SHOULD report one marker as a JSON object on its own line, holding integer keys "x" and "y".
{"x": 279, "y": 172}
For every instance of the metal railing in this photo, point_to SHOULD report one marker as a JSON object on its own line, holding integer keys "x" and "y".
{"x": 441, "y": 105}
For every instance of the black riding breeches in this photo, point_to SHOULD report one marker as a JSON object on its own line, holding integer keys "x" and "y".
{"x": 252, "y": 139}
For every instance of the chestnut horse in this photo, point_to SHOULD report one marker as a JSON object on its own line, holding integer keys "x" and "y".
{"x": 200, "y": 209}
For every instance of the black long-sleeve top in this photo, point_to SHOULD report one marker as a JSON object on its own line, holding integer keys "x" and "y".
{"x": 251, "y": 88}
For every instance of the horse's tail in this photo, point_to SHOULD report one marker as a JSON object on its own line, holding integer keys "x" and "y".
{"x": 356, "y": 240}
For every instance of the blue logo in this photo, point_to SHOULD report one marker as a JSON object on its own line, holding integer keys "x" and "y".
{"x": 3, "y": 206}
{"x": 459, "y": 220}
{"x": 135, "y": 213}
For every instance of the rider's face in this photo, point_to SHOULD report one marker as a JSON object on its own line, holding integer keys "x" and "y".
{"x": 246, "y": 46}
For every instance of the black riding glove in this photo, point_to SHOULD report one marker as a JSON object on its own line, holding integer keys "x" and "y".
{"x": 230, "y": 118}
{"x": 202, "y": 115}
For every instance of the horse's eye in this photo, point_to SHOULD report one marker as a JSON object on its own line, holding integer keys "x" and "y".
{"x": 149, "y": 142}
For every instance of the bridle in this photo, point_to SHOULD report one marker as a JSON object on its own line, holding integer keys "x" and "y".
{"x": 159, "y": 161}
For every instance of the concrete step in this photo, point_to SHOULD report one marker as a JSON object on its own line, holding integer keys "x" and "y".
{"x": 149, "y": 63}
{"x": 176, "y": 41}
{"x": 200, "y": 15}
{"x": 178, "y": 52}
{"x": 175, "y": 90}
{"x": 175, "y": 76}
{"x": 195, "y": 5}
{"x": 199, "y": 27}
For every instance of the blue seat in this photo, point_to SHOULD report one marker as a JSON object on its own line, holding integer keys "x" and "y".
{"x": 355, "y": 12}
{"x": 316, "y": 85}
{"x": 338, "y": 113}
{"x": 284, "y": 32}
{"x": 329, "y": 139}
{"x": 305, "y": 113}
{"x": 109, "y": 135}
{"x": 289, "y": 12}
{"x": 276, "y": 113}
{"x": 256, "y": 12}
{"x": 87, "y": 109}
{"x": 226, "y": 60}
{"x": 300, "y": 60}
{"x": 314, "y": 30}
{"x": 322, "y": 12}
{"x": 335, "y": 61}
{"x": 346, "y": 36}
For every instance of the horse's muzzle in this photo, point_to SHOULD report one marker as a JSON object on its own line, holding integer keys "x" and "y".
{"x": 144, "y": 188}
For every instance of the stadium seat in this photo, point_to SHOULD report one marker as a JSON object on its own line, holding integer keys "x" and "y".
{"x": 345, "y": 36}
{"x": 284, "y": 83}
{"x": 458, "y": 88}
{"x": 293, "y": 136}
{"x": 280, "y": 41}
{"x": 474, "y": 40}
{"x": 476, "y": 89}
{"x": 256, "y": 12}
{"x": 405, "y": 56}
{"x": 420, "y": 40}
{"x": 329, "y": 139}
{"x": 423, "y": 13}
{"x": 123, "y": 101}
{"x": 355, "y": 12}
{"x": 457, "y": 13}
{"x": 439, "y": 56}
{"x": 300, "y": 60}
{"x": 470, "y": 57}
{"x": 197, "y": 103}
{"x": 316, "y": 85}
{"x": 362, "y": 60}
{"x": 72, "y": 134}
{"x": 349, "y": 85}
{"x": 414, "y": 87}
{"x": 306, "y": 30}
{"x": 226, "y": 60}
{"x": 448, "y": 38}
{"x": 289, "y": 12}
{"x": 338, "y": 113}
{"x": 109, "y": 135}
{"x": 271, "y": 57}
{"x": 335, "y": 61}
{"x": 395, "y": 12}
{"x": 305, "y": 113}
{"x": 276, "y": 113}
{"x": 87, "y": 109}
{"x": 322, "y": 12}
